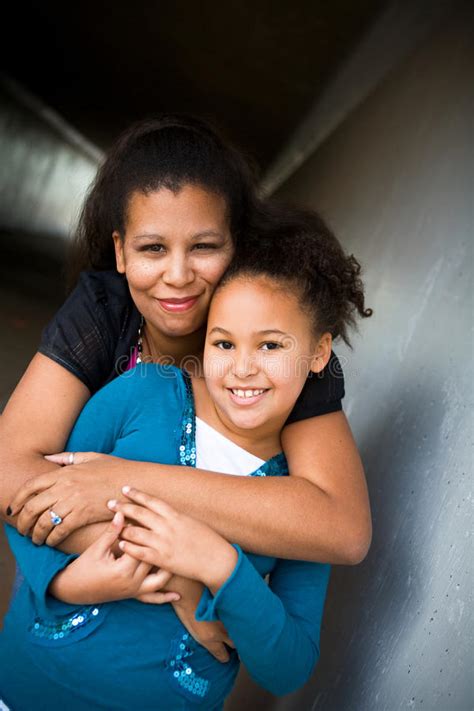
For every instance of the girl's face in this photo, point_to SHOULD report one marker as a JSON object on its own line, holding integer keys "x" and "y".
{"x": 174, "y": 251}
{"x": 258, "y": 353}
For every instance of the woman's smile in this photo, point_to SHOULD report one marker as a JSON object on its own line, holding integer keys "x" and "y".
{"x": 178, "y": 305}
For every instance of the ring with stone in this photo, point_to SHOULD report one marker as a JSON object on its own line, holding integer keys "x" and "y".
{"x": 71, "y": 458}
{"x": 55, "y": 519}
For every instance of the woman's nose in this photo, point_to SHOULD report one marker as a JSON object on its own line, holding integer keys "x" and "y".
{"x": 178, "y": 271}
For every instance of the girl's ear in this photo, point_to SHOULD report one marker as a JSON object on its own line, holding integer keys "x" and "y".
{"x": 119, "y": 252}
{"x": 322, "y": 353}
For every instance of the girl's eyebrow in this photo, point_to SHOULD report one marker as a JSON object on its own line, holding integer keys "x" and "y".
{"x": 257, "y": 333}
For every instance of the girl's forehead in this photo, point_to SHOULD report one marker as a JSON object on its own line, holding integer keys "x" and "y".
{"x": 256, "y": 300}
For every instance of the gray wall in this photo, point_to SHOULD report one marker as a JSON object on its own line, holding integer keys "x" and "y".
{"x": 45, "y": 167}
{"x": 396, "y": 183}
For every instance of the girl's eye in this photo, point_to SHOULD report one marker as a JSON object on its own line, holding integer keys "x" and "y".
{"x": 224, "y": 345}
{"x": 271, "y": 346}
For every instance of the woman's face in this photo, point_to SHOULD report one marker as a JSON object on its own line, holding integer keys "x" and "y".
{"x": 258, "y": 353}
{"x": 175, "y": 249}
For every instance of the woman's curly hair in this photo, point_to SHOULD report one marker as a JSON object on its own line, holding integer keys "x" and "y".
{"x": 296, "y": 249}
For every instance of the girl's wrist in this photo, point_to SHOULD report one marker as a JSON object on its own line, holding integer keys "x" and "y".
{"x": 221, "y": 566}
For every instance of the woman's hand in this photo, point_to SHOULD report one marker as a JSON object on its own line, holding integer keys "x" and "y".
{"x": 78, "y": 493}
{"x": 211, "y": 635}
{"x": 173, "y": 541}
{"x": 98, "y": 576}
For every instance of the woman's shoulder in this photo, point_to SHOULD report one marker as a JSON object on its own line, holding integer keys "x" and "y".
{"x": 103, "y": 287}
{"x": 322, "y": 393}
{"x": 93, "y": 328}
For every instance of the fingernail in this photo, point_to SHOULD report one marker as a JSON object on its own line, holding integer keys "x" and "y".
{"x": 9, "y": 510}
{"x": 122, "y": 545}
{"x": 116, "y": 518}
{"x": 175, "y": 597}
{"x": 126, "y": 489}
{"x": 112, "y": 503}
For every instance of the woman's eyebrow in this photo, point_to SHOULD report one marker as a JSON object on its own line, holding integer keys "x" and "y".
{"x": 198, "y": 235}
{"x": 150, "y": 236}
{"x": 207, "y": 233}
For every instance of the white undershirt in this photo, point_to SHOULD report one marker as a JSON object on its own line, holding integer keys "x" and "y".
{"x": 217, "y": 453}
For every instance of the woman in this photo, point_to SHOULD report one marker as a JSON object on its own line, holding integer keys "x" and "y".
{"x": 175, "y": 202}
{"x": 254, "y": 371}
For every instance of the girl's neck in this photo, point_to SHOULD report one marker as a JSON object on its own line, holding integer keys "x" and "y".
{"x": 175, "y": 350}
{"x": 263, "y": 442}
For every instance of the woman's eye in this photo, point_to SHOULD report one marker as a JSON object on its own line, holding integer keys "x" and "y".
{"x": 154, "y": 248}
{"x": 271, "y": 346}
{"x": 224, "y": 345}
{"x": 205, "y": 245}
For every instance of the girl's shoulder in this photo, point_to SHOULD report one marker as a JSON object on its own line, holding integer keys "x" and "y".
{"x": 146, "y": 378}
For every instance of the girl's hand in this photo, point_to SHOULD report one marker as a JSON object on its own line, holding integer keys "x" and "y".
{"x": 78, "y": 493}
{"x": 173, "y": 541}
{"x": 211, "y": 635}
{"x": 98, "y": 576}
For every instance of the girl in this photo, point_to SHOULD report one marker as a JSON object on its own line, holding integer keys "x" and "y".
{"x": 271, "y": 323}
{"x": 178, "y": 202}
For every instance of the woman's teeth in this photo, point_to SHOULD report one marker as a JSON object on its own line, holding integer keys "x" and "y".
{"x": 247, "y": 393}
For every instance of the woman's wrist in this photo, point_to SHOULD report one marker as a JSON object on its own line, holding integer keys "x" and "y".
{"x": 219, "y": 567}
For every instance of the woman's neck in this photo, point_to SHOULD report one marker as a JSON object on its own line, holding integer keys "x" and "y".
{"x": 175, "y": 350}
{"x": 263, "y": 442}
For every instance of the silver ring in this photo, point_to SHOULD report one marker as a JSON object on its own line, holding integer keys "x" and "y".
{"x": 55, "y": 519}
{"x": 71, "y": 458}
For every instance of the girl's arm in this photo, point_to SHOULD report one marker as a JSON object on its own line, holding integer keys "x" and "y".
{"x": 275, "y": 628}
{"x": 323, "y": 511}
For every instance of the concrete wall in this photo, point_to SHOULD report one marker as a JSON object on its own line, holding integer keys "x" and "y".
{"x": 45, "y": 167}
{"x": 395, "y": 180}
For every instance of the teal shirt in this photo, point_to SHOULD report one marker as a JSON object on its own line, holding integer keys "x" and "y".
{"x": 127, "y": 654}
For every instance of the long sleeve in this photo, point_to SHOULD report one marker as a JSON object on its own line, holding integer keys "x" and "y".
{"x": 39, "y": 565}
{"x": 275, "y": 628}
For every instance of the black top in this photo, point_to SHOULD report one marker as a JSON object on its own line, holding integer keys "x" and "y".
{"x": 94, "y": 331}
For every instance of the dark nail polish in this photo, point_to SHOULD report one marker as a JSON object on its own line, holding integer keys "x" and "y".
{"x": 9, "y": 511}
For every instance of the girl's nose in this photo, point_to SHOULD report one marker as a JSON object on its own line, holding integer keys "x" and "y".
{"x": 178, "y": 272}
{"x": 245, "y": 365}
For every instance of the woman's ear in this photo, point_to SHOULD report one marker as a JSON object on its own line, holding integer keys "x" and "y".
{"x": 119, "y": 252}
{"x": 322, "y": 353}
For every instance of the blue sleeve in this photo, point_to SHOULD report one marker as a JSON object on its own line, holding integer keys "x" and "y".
{"x": 39, "y": 565}
{"x": 96, "y": 429}
{"x": 275, "y": 628}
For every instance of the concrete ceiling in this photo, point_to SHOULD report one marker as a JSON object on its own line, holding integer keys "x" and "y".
{"x": 253, "y": 67}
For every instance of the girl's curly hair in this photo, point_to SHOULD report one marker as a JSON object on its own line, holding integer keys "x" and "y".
{"x": 296, "y": 248}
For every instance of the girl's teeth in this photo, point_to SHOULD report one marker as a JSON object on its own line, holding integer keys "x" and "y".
{"x": 247, "y": 393}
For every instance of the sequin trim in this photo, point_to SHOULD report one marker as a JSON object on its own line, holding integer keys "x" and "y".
{"x": 187, "y": 447}
{"x": 59, "y": 629}
{"x": 179, "y": 666}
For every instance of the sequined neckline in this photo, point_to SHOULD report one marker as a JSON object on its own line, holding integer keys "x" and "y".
{"x": 276, "y": 466}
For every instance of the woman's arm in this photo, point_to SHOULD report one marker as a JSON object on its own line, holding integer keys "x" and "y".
{"x": 323, "y": 511}
{"x": 36, "y": 421}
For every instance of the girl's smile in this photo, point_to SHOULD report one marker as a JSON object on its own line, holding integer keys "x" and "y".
{"x": 260, "y": 347}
